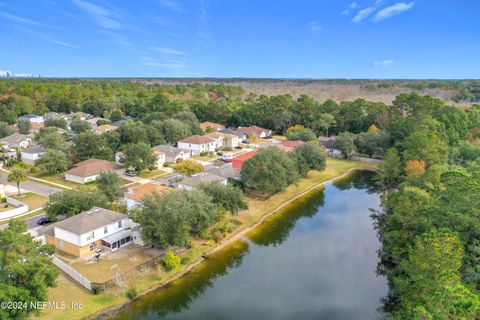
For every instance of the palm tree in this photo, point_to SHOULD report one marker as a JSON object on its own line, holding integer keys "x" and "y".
{"x": 17, "y": 175}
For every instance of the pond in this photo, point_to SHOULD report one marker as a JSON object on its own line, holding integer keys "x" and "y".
{"x": 316, "y": 259}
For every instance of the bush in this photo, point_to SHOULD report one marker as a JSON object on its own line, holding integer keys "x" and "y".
{"x": 131, "y": 293}
{"x": 203, "y": 154}
{"x": 33, "y": 170}
{"x": 171, "y": 261}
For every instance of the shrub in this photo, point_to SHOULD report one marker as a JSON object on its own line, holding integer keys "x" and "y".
{"x": 203, "y": 154}
{"x": 171, "y": 261}
{"x": 131, "y": 293}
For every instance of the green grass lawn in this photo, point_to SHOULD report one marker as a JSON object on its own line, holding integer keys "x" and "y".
{"x": 33, "y": 200}
{"x": 206, "y": 158}
{"x": 56, "y": 178}
{"x": 67, "y": 290}
{"x": 147, "y": 174}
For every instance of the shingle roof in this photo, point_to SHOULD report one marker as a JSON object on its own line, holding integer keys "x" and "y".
{"x": 138, "y": 193}
{"x": 92, "y": 167}
{"x": 90, "y": 220}
{"x": 196, "y": 139}
{"x": 252, "y": 130}
{"x": 207, "y": 124}
{"x": 232, "y": 132}
{"x": 35, "y": 149}
{"x": 105, "y": 127}
{"x": 170, "y": 151}
{"x": 15, "y": 138}
{"x": 204, "y": 177}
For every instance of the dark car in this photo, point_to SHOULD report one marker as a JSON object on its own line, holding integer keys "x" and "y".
{"x": 43, "y": 221}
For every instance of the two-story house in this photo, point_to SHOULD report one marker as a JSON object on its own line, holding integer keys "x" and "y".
{"x": 197, "y": 144}
{"x": 83, "y": 234}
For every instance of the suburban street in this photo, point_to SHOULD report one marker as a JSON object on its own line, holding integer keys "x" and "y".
{"x": 31, "y": 186}
{"x": 32, "y": 222}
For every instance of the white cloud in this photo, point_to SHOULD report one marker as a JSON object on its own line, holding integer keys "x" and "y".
{"x": 363, "y": 14}
{"x": 393, "y": 10}
{"x": 47, "y": 37}
{"x": 383, "y": 63}
{"x": 169, "y": 51}
{"x": 20, "y": 20}
{"x": 171, "y": 4}
{"x": 351, "y": 6}
{"x": 174, "y": 65}
{"x": 315, "y": 26}
{"x": 104, "y": 17}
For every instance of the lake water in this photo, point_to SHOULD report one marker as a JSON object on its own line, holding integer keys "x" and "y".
{"x": 314, "y": 260}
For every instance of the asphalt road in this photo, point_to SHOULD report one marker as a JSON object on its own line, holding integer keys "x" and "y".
{"x": 32, "y": 222}
{"x": 31, "y": 186}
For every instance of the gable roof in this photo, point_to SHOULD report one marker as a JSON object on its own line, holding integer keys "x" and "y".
{"x": 168, "y": 150}
{"x": 196, "y": 139}
{"x": 15, "y": 139}
{"x": 89, "y": 220}
{"x": 252, "y": 130}
{"x": 225, "y": 172}
{"x": 289, "y": 144}
{"x": 92, "y": 167}
{"x": 328, "y": 142}
{"x": 34, "y": 149}
{"x": 105, "y": 128}
{"x": 139, "y": 192}
{"x": 232, "y": 132}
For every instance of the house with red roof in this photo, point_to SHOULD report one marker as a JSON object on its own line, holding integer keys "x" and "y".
{"x": 197, "y": 144}
{"x": 289, "y": 145}
{"x": 237, "y": 162}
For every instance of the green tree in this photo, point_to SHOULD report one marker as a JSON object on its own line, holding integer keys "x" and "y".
{"x": 5, "y": 130}
{"x": 58, "y": 123}
{"x": 78, "y": 125}
{"x": 24, "y": 126}
{"x": 53, "y": 161}
{"x": 309, "y": 156}
{"x": 300, "y": 133}
{"x": 17, "y": 175}
{"x": 426, "y": 146}
{"x": 269, "y": 171}
{"x": 71, "y": 202}
{"x": 50, "y": 138}
{"x": 139, "y": 156}
{"x": 89, "y": 145}
{"x": 346, "y": 143}
{"x": 116, "y": 115}
{"x": 389, "y": 170}
{"x": 27, "y": 270}
{"x": 230, "y": 198}
{"x": 188, "y": 167}
{"x": 110, "y": 184}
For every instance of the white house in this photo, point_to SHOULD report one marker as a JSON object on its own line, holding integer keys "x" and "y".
{"x": 32, "y": 154}
{"x": 192, "y": 182}
{"x": 33, "y": 118}
{"x": 172, "y": 154}
{"x": 98, "y": 228}
{"x": 88, "y": 170}
{"x": 160, "y": 158}
{"x": 198, "y": 144}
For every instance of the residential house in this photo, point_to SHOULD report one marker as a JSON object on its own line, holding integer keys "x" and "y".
{"x": 53, "y": 116}
{"x": 211, "y": 126}
{"x": 136, "y": 194}
{"x": 240, "y": 135}
{"x": 35, "y": 128}
{"x": 32, "y": 154}
{"x": 104, "y": 128}
{"x": 189, "y": 183}
{"x": 197, "y": 144}
{"x": 33, "y": 118}
{"x": 79, "y": 115}
{"x": 83, "y": 234}
{"x": 16, "y": 141}
{"x": 93, "y": 121}
{"x": 254, "y": 131}
{"x": 238, "y": 161}
{"x": 172, "y": 154}
{"x": 226, "y": 171}
{"x": 330, "y": 145}
{"x": 88, "y": 170}
{"x": 289, "y": 145}
{"x": 160, "y": 158}
{"x": 225, "y": 140}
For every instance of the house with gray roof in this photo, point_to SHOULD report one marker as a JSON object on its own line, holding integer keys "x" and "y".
{"x": 189, "y": 183}
{"x": 83, "y": 234}
{"x": 172, "y": 154}
{"x": 16, "y": 140}
{"x": 32, "y": 154}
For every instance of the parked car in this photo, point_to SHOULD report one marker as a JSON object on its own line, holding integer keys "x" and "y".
{"x": 131, "y": 174}
{"x": 43, "y": 221}
{"x": 227, "y": 157}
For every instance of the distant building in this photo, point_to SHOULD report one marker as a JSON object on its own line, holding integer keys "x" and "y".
{"x": 32, "y": 154}
{"x": 227, "y": 171}
{"x": 254, "y": 131}
{"x": 225, "y": 140}
{"x": 16, "y": 140}
{"x": 88, "y": 170}
{"x": 172, "y": 154}
{"x": 33, "y": 118}
{"x": 198, "y": 144}
{"x": 240, "y": 135}
{"x": 289, "y": 145}
{"x": 211, "y": 126}
{"x": 104, "y": 128}
{"x": 330, "y": 145}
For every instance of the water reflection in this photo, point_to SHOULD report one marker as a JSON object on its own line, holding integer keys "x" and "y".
{"x": 315, "y": 260}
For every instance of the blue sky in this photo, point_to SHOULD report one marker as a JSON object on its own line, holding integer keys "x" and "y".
{"x": 241, "y": 38}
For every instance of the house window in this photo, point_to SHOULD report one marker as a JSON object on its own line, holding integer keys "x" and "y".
{"x": 120, "y": 223}
{"x": 93, "y": 246}
{"x": 91, "y": 235}
{"x": 105, "y": 229}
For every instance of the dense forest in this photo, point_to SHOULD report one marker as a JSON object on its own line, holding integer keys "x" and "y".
{"x": 430, "y": 226}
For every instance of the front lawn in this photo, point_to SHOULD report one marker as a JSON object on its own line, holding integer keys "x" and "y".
{"x": 153, "y": 174}
{"x": 33, "y": 200}
{"x": 55, "y": 178}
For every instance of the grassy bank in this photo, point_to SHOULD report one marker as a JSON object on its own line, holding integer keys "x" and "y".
{"x": 69, "y": 291}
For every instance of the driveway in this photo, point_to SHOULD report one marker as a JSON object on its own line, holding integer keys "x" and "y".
{"x": 31, "y": 186}
{"x": 32, "y": 222}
